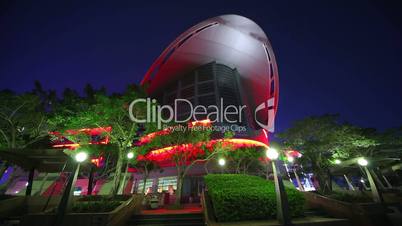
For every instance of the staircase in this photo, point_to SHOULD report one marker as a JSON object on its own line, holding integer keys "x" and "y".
{"x": 183, "y": 219}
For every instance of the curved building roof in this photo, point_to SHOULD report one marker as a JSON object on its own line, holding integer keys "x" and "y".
{"x": 232, "y": 40}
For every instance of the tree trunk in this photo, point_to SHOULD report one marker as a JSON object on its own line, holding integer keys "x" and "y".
{"x": 91, "y": 180}
{"x": 180, "y": 178}
{"x": 145, "y": 180}
{"x": 117, "y": 174}
{"x": 329, "y": 181}
{"x": 321, "y": 175}
{"x": 123, "y": 182}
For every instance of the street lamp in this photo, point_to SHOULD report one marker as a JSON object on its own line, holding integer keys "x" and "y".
{"x": 283, "y": 214}
{"x": 377, "y": 197}
{"x": 272, "y": 153}
{"x": 81, "y": 156}
{"x": 362, "y": 162}
{"x": 130, "y": 155}
{"x": 221, "y": 162}
{"x": 66, "y": 199}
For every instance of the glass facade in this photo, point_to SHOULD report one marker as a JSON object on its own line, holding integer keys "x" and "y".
{"x": 205, "y": 86}
{"x": 165, "y": 182}
{"x": 148, "y": 184}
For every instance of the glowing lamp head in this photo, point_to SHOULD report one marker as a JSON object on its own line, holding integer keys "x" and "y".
{"x": 362, "y": 162}
{"x": 291, "y": 159}
{"x": 81, "y": 156}
{"x": 130, "y": 155}
{"x": 221, "y": 162}
{"x": 272, "y": 153}
{"x": 337, "y": 161}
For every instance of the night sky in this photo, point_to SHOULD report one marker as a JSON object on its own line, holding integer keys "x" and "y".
{"x": 334, "y": 56}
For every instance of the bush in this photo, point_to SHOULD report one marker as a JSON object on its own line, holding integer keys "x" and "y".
{"x": 242, "y": 197}
{"x": 100, "y": 205}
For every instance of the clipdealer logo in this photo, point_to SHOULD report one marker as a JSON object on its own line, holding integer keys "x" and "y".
{"x": 269, "y": 125}
{"x": 162, "y": 114}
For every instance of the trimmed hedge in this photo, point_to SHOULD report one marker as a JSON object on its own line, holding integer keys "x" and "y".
{"x": 97, "y": 204}
{"x": 238, "y": 197}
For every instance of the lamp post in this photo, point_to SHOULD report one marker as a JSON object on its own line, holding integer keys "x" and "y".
{"x": 374, "y": 190}
{"x": 283, "y": 214}
{"x": 65, "y": 202}
{"x": 222, "y": 163}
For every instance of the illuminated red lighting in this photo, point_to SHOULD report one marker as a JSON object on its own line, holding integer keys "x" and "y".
{"x": 97, "y": 161}
{"x": 163, "y": 155}
{"x": 293, "y": 153}
{"x": 64, "y": 143}
{"x": 147, "y": 138}
{"x": 205, "y": 122}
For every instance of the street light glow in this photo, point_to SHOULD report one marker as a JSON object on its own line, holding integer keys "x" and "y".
{"x": 362, "y": 162}
{"x": 272, "y": 153}
{"x": 221, "y": 162}
{"x": 337, "y": 161}
{"x": 130, "y": 155}
{"x": 81, "y": 156}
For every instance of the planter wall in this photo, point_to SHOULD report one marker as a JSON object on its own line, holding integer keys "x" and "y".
{"x": 116, "y": 217}
{"x": 364, "y": 214}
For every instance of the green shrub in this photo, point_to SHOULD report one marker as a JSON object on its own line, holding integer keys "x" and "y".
{"x": 242, "y": 197}
{"x": 91, "y": 206}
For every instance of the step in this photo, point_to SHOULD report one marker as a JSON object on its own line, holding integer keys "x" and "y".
{"x": 167, "y": 219}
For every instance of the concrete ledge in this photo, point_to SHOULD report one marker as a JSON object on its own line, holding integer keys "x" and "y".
{"x": 364, "y": 214}
{"x": 305, "y": 221}
{"x": 116, "y": 217}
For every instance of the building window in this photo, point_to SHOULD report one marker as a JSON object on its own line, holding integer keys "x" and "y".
{"x": 141, "y": 185}
{"x": 165, "y": 182}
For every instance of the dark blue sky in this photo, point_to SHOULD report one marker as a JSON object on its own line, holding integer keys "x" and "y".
{"x": 334, "y": 56}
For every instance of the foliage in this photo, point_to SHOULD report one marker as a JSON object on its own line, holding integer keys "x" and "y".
{"x": 245, "y": 158}
{"x": 22, "y": 120}
{"x": 99, "y": 110}
{"x": 190, "y": 148}
{"x": 389, "y": 144}
{"x": 22, "y": 125}
{"x": 321, "y": 139}
{"x": 103, "y": 205}
{"x": 242, "y": 197}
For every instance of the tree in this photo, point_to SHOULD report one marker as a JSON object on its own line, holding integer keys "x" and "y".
{"x": 22, "y": 122}
{"x": 145, "y": 167}
{"x": 245, "y": 158}
{"x": 189, "y": 146}
{"x": 320, "y": 140}
{"x": 104, "y": 111}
